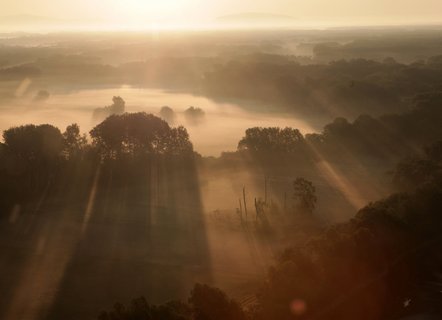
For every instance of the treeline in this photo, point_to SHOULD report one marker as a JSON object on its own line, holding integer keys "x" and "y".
{"x": 417, "y": 45}
{"x": 57, "y": 72}
{"x": 37, "y": 159}
{"x": 30, "y": 156}
{"x": 369, "y": 141}
{"x": 204, "y": 303}
{"x": 383, "y": 264}
{"x": 339, "y": 88}
{"x": 346, "y": 88}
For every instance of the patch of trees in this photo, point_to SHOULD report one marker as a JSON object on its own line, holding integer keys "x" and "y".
{"x": 345, "y": 88}
{"x": 270, "y": 147}
{"x": 19, "y": 72}
{"x": 304, "y": 195}
{"x": 139, "y": 134}
{"x": 36, "y": 160}
{"x": 118, "y": 106}
{"x": 369, "y": 141}
{"x": 391, "y": 136}
{"x": 408, "y": 49}
{"x": 30, "y": 156}
{"x": 167, "y": 113}
{"x": 194, "y": 116}
{"x": 271, "y": 140}
{"x": 65, "y": 67}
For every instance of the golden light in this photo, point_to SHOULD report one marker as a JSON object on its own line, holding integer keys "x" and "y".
{"x": 142, "y": 7}
{"x": 153, "y": 15}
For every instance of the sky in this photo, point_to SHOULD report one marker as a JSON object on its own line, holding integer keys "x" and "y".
{"x": 199, "y": 12}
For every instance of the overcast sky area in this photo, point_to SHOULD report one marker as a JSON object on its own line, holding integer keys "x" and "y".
{"x": 201, "y": 12}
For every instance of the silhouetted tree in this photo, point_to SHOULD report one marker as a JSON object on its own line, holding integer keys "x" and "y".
{"x": 175, "y": 142}
{"x": 205, "y": 303}
{"x": 140, "y": 309}
{"x": 168, "y": 114}
{"x": 416, "y": 171}
{"x": 213, "y": 304}
{"x": 194, "y": 116}
{"x": 137, "y": 134}
{"x": 304, "y": 195}
{"x": 74, "y": 142}
{"x": 117, "y": 107}
{"x": 271, "y": 140}
{"x": 32, "y": 155}
{"x": 34, "y": 144}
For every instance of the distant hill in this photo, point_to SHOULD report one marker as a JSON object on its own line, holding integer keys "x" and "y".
{"x": 256, "y": 19}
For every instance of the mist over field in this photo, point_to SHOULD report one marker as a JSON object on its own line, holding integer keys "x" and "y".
{"x": 180, "y": 160}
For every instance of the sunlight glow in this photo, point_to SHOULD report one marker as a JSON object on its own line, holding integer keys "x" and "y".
{"x": 140, "y": 12}
{"x": 155, "y": 6}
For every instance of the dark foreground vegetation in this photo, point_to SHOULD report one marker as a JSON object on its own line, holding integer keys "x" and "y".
{"x": 382, "y": 264}
{"x": 36, "y": 158}
{"x": 131, "y": 193}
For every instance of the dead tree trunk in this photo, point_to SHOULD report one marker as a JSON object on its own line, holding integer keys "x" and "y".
{"x": 245, "y": 202}
{"x": 265, "y": 190}
{"x": 240, "y": 210}
{"x": 158, "y": 184}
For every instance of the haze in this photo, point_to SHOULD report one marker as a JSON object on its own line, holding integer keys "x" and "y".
{"x": 220, "y": 160}
{"x": 139, "y": 14}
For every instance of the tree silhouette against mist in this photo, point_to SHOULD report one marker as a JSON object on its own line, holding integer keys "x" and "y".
{"x": 74, "y": 142}
{"x": 272, "y": 140}
{"x": 34, "y": 144}
{"x": 304, "y": 195}
{"x": 31, "y": 158}
{"x": 117, "y": 107}
{"x": 168, "y": 114}
{"x": 194, "y": 116}
{"x": 204, "y": 303}
{"x": 139, "y": 134}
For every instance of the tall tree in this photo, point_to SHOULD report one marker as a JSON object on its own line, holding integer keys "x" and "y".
{"x": 305, "y": 195}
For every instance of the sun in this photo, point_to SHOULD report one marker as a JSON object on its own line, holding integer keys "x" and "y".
{"x": 158, "y": 14}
